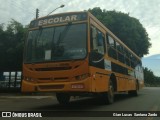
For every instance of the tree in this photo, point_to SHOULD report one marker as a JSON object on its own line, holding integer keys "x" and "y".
{"x": 150, "y": 78}
{"x": 127, "y": 28}
{"x": 11, "y": 46}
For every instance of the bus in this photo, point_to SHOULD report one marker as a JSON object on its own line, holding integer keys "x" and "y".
{"x": 74, "y": 54}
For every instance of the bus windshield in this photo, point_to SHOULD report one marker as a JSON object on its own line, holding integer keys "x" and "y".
{"x": 56, "y": 43}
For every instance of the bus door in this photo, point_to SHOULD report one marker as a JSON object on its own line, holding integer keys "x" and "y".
{"x": 97, "y": 57}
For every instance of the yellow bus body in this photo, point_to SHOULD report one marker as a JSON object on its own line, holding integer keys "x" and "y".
{"x": 77, "y": 76}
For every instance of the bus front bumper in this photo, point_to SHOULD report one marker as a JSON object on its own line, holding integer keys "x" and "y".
{"x": 76, "y": 86}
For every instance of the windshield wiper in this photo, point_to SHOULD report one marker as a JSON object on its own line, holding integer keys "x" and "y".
{"x": 59, "y": 49}
{"x": 39, "y": 35}
{"x": 63, "y": 34}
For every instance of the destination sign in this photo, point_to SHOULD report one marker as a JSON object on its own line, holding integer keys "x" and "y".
{"x": 58, "y": 19}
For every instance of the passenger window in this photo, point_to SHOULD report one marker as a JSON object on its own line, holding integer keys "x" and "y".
{"x": 100, "y": 42}
{"x": 111, "y": 47}
{"x": 97, "y": 40}
{"x": 119, "y": 47}
{"x": 111, "y": 41}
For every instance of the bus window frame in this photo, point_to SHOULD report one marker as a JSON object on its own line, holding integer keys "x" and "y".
{"x": 92, "y": 41}
{"x": 111, "y": 47}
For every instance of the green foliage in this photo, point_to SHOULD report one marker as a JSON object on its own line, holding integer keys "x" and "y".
{"x": 11, "y": 45}
{"x": 127, "y": 28}
{"x": 150, "y": 78}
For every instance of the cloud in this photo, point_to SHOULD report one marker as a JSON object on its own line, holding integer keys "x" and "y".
{"x": 154, "y": 33}
{"x": 147, "y": 11}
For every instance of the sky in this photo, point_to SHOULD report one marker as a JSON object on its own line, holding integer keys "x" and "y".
{"x": 147, "y": 11}
{"x": 152, "y": 63}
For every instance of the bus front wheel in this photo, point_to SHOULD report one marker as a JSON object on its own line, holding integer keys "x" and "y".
{"x": 63, "y": 98}
{"x": 108, "y": 97}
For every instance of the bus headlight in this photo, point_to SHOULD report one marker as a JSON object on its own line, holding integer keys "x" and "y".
{"x": 82, "y": 77}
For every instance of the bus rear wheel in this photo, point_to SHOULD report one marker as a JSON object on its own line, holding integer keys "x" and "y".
{"x": 134, "y": 92}
{"x": 63, "y": 98}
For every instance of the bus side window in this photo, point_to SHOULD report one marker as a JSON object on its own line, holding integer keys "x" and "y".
{"x": 111, "y": 47}
{"x": 100, "y": 42}
{"x": 93, "y": 38}
{"x": 132, "y": 61}
{"x": 120, "y": 52}
{"x": 111, "y": 42}
{"x": 97, "y": 40}
{"x": 127, "y": 58}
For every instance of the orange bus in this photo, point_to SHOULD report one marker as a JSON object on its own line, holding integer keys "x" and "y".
{"x": 74, "y": 54}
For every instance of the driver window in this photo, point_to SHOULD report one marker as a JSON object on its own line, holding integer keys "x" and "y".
{"x": 97, "y": 40}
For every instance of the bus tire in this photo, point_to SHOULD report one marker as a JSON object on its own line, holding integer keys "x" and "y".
{"x": 134, "y": 92}
{"x": 108, "y": 97}
{"x": 63, "y": 98}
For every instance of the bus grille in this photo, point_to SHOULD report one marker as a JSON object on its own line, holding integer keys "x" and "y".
{"x": 51, "y": 86}
{"x": 58, "y": 78}
{"x": 53, "y": 68}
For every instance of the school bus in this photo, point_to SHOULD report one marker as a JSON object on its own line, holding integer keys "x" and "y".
{"x": 74, "y": 54}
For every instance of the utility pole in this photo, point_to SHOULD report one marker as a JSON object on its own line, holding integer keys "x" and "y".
{"x": 37, "y": 13}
